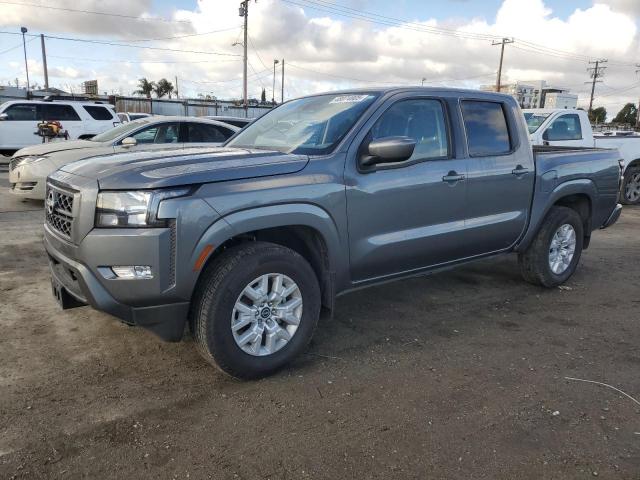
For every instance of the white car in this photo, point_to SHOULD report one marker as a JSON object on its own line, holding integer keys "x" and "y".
{"x": 130, "y": 116}
{"x": 19, "y": 120}
{"x": 29, "y": 167}
{"x": 571, "y": 128}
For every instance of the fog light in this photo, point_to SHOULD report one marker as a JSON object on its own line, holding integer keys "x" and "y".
{"x": 132, "y": 271}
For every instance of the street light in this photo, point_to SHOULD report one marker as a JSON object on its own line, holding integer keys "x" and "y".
{"x": 24, "y": 47}
{"x": 273, "y": 90}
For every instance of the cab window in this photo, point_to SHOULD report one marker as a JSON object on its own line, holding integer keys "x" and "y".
{"x": 60, "y": 113}
{"x": 22, "y": 112}
{"x": 164, "y": 133}
{"x": 565, "y": 127}
{"x": 423, "y": 120}
{"x": 203, "y": 133}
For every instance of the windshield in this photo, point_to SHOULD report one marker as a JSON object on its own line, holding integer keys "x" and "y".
{"x": 534, "y": 120}
{"x": 118, "y": 131}
{"x": 308, "y": 126}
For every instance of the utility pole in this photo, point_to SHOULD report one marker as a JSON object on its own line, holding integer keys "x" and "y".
{"x": 638, "y": 111}
{"x": 596, "y": 72}
{"x": 282, "y": 86}
{"x": 24, "y": 47}
{"x": 44, "y": 62}
{"x": 273, "y": 90}
{"x": 177, "y": 96}
{"x": 244, "y": 12}
{"x": 502, "y": 43}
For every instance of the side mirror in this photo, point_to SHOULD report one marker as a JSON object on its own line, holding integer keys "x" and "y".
{"x": 388, "y": 150}
{"x": 129, "y": 142}
{"x": 545, "y": 135}
{"x": 4, "y": 116}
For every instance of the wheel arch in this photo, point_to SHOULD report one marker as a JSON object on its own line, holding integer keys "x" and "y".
{"x": 578, "y": 195}
{"x": 304, "y": 228}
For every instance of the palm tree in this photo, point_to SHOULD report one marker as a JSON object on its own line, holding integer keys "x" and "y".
{"x": 145, "y": 87}
{"x": 163, "y": 87}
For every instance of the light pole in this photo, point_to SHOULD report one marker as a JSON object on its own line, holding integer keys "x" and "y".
{"x": 24, "y": 47}
{"x": 423, "y": 80}
{"x": 273, "y": 90}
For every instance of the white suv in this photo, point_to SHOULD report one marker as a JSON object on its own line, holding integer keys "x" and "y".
{"x": 82, "y": 120}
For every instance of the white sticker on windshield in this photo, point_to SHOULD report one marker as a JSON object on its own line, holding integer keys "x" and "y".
{"x": 349, "y": 99}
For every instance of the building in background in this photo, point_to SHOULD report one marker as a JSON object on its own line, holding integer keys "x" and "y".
{"x": 537, "y": 94}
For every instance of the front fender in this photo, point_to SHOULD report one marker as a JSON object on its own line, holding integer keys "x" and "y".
{"x": 273, "y": 216}
{"x": 544, "y": 200}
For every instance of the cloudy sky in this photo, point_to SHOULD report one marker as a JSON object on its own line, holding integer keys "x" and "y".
{"x": 326, "y": 44}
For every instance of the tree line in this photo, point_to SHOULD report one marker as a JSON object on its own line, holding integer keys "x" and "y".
{"x": 628, "y": 115}
{"x": 161, "y": 88}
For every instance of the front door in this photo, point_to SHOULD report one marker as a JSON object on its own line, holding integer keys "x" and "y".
{"x": 20, "y": 127}
{"x": 409, "y": 215}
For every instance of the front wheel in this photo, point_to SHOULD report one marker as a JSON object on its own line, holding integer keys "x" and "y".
{"x": 554, "y": 253}
{"x": 255, "y": 309}
{"x": 631, "y": 187}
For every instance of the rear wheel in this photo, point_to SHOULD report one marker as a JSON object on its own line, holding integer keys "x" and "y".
{"x": 255, "y": 309}
{"x": 555, "y": 252}
{"x": 631, "y": 186}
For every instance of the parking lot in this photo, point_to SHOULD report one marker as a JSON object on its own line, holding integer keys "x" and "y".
{"x": 457, "y": 375}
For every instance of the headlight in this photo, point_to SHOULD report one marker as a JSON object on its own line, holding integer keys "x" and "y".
{"x": 133, "y": 209}
{"x": 30, "y": 159}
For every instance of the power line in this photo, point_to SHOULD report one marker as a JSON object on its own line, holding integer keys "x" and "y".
{"x": 128, "y": 45}
{"x": 110, "y": 60}
{"x": 15, "y": 47}
{"x": 91, "y": 12}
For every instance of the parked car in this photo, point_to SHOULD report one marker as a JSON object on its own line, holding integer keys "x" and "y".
{"x": 571, "y": 128}
{"x": 130, "y": 116}
{"x": 29, "y": 167}
{"x": 320, "y": 196}
{"x": 235, "y": 121}
{"x": 82, "y": 120}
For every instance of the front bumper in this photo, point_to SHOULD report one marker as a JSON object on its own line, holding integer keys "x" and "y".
{"x": 150, "y": 304}
{"x": 29, "y": 181}
{"x": 613, "y": 218}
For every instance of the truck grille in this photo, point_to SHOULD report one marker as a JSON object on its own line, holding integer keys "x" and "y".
{"x": 58, "y": 207}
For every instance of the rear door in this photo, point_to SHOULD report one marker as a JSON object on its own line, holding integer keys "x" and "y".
{"x": 66, "y": 115}
{"x": 19, "y": 128}
{"x": 410, "y": 215}
{"x": 501, "y": 175}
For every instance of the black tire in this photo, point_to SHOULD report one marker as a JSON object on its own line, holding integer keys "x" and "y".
{"x": 223, "y": 281}
{"x": 629, "y": 175}
{"x": 534, "y": 262}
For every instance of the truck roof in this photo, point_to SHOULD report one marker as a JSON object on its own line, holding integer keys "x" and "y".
{"x": 418, "y": 88}
{"x": 552, "y": 110}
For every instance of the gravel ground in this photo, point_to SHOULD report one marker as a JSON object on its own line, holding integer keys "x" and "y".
{"x": 457, "y": 375}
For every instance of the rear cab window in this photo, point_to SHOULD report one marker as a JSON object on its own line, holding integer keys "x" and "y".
{"x": 98, "y": 113}
{"x": 486, "y": 126}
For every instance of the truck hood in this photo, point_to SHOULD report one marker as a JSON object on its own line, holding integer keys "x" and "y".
{"x": 50, "y": 147}
{"x": 169, "y": 168}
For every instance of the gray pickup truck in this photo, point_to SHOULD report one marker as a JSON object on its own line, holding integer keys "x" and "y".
{"x": 246, "y": 243}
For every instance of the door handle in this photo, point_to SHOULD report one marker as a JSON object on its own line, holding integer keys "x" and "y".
{"x": 519, "y": 171}
{"x": 453, "y": 177}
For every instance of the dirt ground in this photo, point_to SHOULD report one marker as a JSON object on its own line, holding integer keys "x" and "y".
{"x": 457, "y": 375}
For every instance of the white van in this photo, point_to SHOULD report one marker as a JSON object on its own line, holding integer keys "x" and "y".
{"x": 82, "y": 120}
